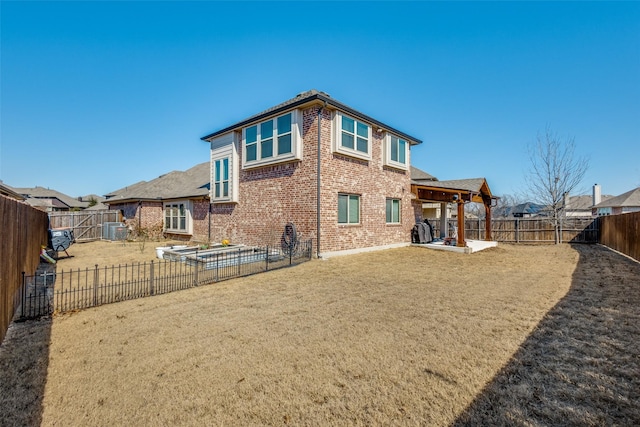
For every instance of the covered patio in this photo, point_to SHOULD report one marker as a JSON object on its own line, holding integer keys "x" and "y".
{"x": 457, "y": 192}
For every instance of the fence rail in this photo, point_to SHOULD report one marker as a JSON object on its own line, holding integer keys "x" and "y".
{"x": 66, "y": 291}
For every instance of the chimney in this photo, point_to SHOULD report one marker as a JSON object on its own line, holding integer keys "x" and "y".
{"x": 597, "y": 194}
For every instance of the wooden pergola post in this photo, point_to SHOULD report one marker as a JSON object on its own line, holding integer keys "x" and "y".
{"x": 460, "y": 239}
{"x": 487, "y": 221}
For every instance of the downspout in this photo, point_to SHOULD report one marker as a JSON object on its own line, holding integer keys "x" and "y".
{"x": 318, "y": 186}
{"x": 209, "y": 232}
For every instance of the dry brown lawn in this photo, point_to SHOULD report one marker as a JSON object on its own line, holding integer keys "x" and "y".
{"x": 514, "y": 335}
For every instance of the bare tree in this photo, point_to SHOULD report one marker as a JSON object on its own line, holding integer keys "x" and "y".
{"x": 555, "y": 172}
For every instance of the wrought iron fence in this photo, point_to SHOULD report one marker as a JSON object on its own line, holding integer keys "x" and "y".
{"x": 59, "y": 292}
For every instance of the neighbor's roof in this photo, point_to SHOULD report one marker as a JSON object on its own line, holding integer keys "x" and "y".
{"x": 584, "y": 202}
{"x": 520, "y": 209}
{"x": 40, "y": 196}
{"x": 306, "y": 98}
{"x": 628, "y": 199}
{"x": 191, "y": 183}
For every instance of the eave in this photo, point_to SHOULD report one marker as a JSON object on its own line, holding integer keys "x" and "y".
{"x": 318, "y": 98}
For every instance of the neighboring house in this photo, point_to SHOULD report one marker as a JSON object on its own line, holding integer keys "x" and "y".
{"x": 94, "y": 202}
{"x": 50, "y": 200}
{"x": 342, "y": 177}
{"x": 175, "y": 204}
{"x": 624, "y": 203}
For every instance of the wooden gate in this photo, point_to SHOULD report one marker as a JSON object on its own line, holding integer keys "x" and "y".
{"x": 86, "y": 225}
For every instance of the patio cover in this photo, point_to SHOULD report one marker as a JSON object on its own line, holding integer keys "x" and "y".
{"x": 458, "y": 191}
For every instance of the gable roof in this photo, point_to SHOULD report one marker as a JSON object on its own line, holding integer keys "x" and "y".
{"x": 584, "y": 202}
{"x": 471, "y": 184}
{"x": 629, "y": 199}
{"x": 45, "y": 197}
{"x": 192, "y": 183}
{"x": 305, "y": 98}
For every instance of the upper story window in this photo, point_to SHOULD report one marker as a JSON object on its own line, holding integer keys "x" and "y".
{"x": 271, "y": 141}
{"x": 396, "y": 152}
{"x": 177, "y": 217}
{"x": 353, "y": 137}
{"x": 221, "y": 178}
{"x": 224, "y": 168}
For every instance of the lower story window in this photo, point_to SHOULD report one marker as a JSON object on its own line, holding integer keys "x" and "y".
{"x": 348, "y": 209}
{"x": 393, "y": 211}
{"x": 176, "y": 217}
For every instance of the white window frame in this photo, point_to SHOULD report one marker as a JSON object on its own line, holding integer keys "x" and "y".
{"x": 225, "y": 147}
{"x": 177, "y": 217}
{"x": 221, "y": 182}
{"x": 338, "y": 146}
{"x": 260, "y": 142}
{"x": 389, "y": 152}
{"x": 390, "y": 202}
{"x": 350, "y": 198}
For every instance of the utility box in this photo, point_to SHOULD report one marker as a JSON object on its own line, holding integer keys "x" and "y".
{"x": 117, "y": 232}
{"x": 108, "y": 230}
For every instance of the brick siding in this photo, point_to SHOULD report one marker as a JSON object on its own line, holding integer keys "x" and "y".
{"x": 271, "y": 196}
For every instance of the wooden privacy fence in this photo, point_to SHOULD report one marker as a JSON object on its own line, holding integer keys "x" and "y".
{"x": 86, "y": 225}
{"x": 65, "y": 291}
{"x": 622, "y": 233}
{"x": 530, "y": 230}
{"x": 23, "y": 230}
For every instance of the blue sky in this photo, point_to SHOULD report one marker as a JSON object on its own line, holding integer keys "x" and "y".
{"x": 99, "y": 95}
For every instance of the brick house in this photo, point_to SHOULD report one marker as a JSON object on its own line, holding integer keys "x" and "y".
{"x": 343, "y": 178}
{"x": 174, "y": 205}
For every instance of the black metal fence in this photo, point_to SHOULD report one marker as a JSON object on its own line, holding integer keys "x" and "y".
{"x": 50, "y": 292}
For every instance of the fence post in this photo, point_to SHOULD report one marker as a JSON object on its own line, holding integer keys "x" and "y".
{"x": 238, "y": 261}
{"x": 266, "y": 258}
{"x": 151, "y": 277}
{"x": 95, "y": 286}
{"x": 217, "y": 264}
{"x": 197, "y": 268}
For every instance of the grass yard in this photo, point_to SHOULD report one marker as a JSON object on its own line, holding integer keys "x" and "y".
{"x": 514, "y": 335}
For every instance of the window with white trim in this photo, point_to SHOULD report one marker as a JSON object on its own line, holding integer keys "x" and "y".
{"x": 271, "y": 141}
{"x": 397, "y": 152}
{"x": 348, "y": 209}
{"x": 353, "y": 137}
{"x": 221, "y": 178}
{"x": 393, "y": 211}
{"x": 177, "y": 217}
{"x": 224, "y": 168}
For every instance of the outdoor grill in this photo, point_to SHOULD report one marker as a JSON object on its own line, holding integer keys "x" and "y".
{"x": 60, "y": 239}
